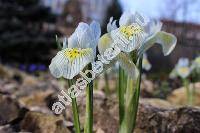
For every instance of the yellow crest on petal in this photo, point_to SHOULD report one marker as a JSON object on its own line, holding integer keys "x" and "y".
{"x": 183, "y": 70}
{"x": 70, "y": 61}
{"x": 74, "y": 53}
{"x": 131, "y": 30}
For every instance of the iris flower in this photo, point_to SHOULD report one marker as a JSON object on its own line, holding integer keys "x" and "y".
{"x": 77, "y": 52}
{"x": 135, "y": 34}
{"x": 145, "y": 63}
{"x": 181, "y": 69}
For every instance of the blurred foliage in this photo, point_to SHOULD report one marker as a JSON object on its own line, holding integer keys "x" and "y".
{"x": 23, "y": 37}
{"x": 162, "y": 90}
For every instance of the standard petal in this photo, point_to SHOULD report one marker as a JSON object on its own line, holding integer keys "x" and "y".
{"x": 183, "y": 62}
{"x": 86, "y": 36}
{"x": 153, "y": 27}
{"x": 73, "y": 41}
{"x": 128, "y": 66}
{"x": 69, "y": 62}
{"x": 82, "y": 37}
{"x": 140, "y": 19}
{"x": 96, "y": 29}
{"x": 111, "y": 25}
{"x": 126, "y": 19}
{"x": 166, "y": 40}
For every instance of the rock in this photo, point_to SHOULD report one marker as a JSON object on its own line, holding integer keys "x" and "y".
{"x": 10, "y": 73}
{"x": 9, "y": 110}
{"x": 6, "y": 129}
{"x": 179, "y": 96}
{"x": 30, "y": 81}
{"x": 156, "y": 102}
{"x": 8, "y": 87}
{"x": 105, "y": 120}
{"x": 3, "y": 72}
{"x": 35, "y": 99}
{"x": 158, "y": 120}
{"x": 41, "y": 123}
{"x": 100, "y": 131}
{"x": 147, "y": 88}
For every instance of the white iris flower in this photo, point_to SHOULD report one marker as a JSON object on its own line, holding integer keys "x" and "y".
{"x": 182, "y": 69}
{"x": 145, "y": 63}
{"x": 80, "y": 51}
{"x": 135, "y": 33}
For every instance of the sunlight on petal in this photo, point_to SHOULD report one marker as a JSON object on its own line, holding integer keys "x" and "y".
{"x": 105, "y": 42}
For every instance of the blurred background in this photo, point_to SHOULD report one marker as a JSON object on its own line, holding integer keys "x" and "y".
{"x": 28, "y": 28}
{"x": 27, "y": 45}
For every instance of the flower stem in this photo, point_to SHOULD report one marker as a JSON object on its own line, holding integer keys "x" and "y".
{"x": 107, "y": 89}
{"x": 75, "y": 111}
{"x": 189, "y": 92}
{"x": 89, "y": 107}
{"x": 121, "y": 94}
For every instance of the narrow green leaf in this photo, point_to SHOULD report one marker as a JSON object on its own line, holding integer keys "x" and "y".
{"x": 121, "y": 91}
{"x": 75, "y": 111}
{"x": 89, "y": 106}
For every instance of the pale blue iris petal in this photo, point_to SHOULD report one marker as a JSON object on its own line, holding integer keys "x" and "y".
{"x": 84, "y": 35}
{"x": 153, "y": 27}
{"x": 95, "y": 35}
{"x": 111, "y": 25}
{"x": 79, "y": 37}
{"x": 166, "y": 40}
{"x": 73, "y": 41}
{"x": 183, "y": 62}
{"x": 96, "y": 29}
{"x": 126, "y": 19}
